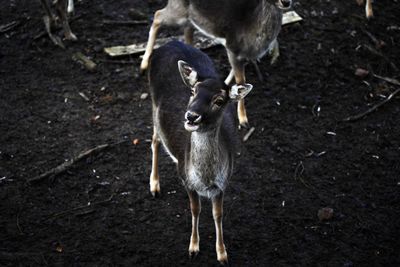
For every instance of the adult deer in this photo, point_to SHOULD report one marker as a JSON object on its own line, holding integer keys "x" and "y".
{"x": 185, "y": 87}
{"x": 368, "y": 7}
{"x": 63, "y": 7}
{"x": 247, "y": 28}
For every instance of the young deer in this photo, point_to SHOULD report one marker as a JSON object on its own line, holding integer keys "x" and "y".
{"x": 185, "y": 86}
{"x": 63, "y": 7}
{"x": 247, "y": 28}
{"x": 368, "y": 7}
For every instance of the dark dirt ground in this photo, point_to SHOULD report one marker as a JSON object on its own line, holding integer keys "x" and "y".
{"x": 300, "y": 158}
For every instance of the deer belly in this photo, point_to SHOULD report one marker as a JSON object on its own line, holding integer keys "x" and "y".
{"x": 219, "y": 40}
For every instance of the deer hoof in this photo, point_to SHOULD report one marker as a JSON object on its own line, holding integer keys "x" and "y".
{"x": 193, "y": 254}
{"x": 244, "y": 125}
{"x": 222, "y": 257}
{"x": 155, "y": 191}
{"x": 224, "y": 262}
{"x": 70, "y": 36}
{"x": 143, "y": 66}
{"x": 155, "y": 194}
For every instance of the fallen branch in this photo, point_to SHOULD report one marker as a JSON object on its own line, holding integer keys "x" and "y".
{"x": 368, "y": 111}
{"x": 84, "y": 60}
{"x": 62, "y": 213}
{"x": 68, "y": 164}
{"x": 125, "y": 22}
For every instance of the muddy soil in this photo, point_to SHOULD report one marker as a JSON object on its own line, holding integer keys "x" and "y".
{"x": 301, "y": 157}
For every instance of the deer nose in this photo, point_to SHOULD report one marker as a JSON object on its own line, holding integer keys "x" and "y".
{"x": 193, "y": 117}
{"x": 286, "y": 3}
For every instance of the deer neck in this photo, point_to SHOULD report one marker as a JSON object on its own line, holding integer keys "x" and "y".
{"x": 205, "y": 147}
{"x": 207, "y": 163}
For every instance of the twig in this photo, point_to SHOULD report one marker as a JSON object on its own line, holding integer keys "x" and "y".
{"x": 9, "y": 26}
{"x": 67, "y": 165}
{"x": 387, "y": 79}
{"x": 374, "y": 51}
{"x": 125, "y": 22}
{"x": 372, "y": 37}
{"x": 248, "y": 134}
{"x": 298, "y": 172}
{"x": 80, "y": 207}
{"x": 368, "y": 111}
{"x": 84, "y": 96}
{"x": 19, "y": 227}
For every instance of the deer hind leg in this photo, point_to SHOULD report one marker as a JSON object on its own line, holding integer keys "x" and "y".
{"x": 217, "y": 210}
{"x": 238, "y": 71}
{"x": 154, "y": 178}
{"x": 173, "y": 14}
{"x": 62, "y": 6}
{"x": 230, "y": 77}
{"x": 195, "y": 207}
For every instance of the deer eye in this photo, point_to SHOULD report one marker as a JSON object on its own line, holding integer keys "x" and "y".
{"x": 219, "y": 101}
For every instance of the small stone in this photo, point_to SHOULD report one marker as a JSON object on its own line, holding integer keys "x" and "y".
{"x": 144, "y": 96}
{"x": 325, "y": 214}
{"x": 362, "y": 73}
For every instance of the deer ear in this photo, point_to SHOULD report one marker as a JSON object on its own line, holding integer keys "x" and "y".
{"x": 188, "y": 74}
{"x": 239, "y": 91}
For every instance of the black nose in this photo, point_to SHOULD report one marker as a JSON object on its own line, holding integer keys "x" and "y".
{"x": 193, "y": 117}
{"x": 286, "y": 3}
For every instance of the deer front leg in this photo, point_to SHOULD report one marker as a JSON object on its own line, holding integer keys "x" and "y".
{"x": 195, "y": 207}
{"x": 217, "y": 209}
{"x": 274, "y": 51}
{"x": 155, "y": 26}
{"x": 238, "y": 71}
{"x": 154, "y": 178}
{"x": 188, "y": 34}
{"x": 71, "y": 7}
{"x": 368, "y": 9}
{"x": 49, "y": 21}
